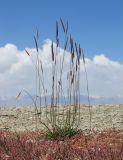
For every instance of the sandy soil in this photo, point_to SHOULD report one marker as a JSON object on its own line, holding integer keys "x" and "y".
{"x": 21, "y": 119}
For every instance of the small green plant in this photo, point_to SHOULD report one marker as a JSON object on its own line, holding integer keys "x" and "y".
{"x": 61, "y": 133}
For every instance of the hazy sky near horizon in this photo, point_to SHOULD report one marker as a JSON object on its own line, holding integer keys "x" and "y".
{"x": 96, "y": 24}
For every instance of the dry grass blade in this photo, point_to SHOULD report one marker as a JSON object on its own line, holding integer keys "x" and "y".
{"x": 67, "y": 28}
{"x": 65, "y": 47}
{"x": 87, "y": 86}
{"x": 71, "y": 40}
{"x": 78, "y": 61}
{"x": 36, "y": 43}
{"x": 57, "y": 33}
{"x": 76, "y": 66}
{"x": 57, "y": 42}
{"x": 41, "y": 66}
{"x": 79, "y": 51}
{"x": 71, "y": 43}
{"x": 59, "y": 83}
{"x": 72, "y": 55}
{"x": 70, "y": 73}
{"x": 83, "y": 57}
{"x": 62, "y": 25}
{"x": 52, "y": 51}
{"x": 72, "y": 80}
{"x": 27, "y": 52}
{"x": 76, "y": 49}
{"x": 37, "y": 34}
{"x": 18, "y": 95}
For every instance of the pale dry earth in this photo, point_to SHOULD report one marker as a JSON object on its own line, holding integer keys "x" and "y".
{"x": 23, "y": 118}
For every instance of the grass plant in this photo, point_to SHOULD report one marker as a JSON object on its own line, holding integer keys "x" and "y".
{"x": 56, "y": 123}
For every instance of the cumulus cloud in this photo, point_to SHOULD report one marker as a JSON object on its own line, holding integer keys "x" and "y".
{"x": 17, "y": 72}
{"x": 105, "y": 77}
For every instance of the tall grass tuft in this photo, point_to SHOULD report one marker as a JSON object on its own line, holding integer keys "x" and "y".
{"x": 60, "y": 121}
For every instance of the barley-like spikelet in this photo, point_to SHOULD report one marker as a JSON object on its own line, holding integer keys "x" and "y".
{"x": 52, "y": 51}
{"x": 78, "y": 61}
{"x": 76, "y": 66}
{"x": 79, "y": 51}
{"x": 76, "y": 49}
{"x": 71, "y": 73}
{"x": 18, "y": 95}
{"x": 37, "y": 35}
{"x": 72, "y": 55}
{"x": 83, "y": 56}
{"x": 72, "y": 80}
{"x": 62, "y": 25}
{"x": 57, "y": 33}
{"x": 27, "y": 52}
{"x": 67, "y": 27}
{"x": 36, "y": 43}
{"x": 41, "y": 66}
{"x": 71, "y": 43}
{"x": 65, "y": 47}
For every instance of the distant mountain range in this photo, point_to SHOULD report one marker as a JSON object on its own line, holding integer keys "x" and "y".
{"x": 26, "y": 101}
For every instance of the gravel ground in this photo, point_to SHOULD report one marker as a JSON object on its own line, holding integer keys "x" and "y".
{"x": 23, "y": 118}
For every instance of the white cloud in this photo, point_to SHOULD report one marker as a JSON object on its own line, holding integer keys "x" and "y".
{"x": 105, "y": 77}
{"x": 17, "y": 72}
{"x": 104, "y": 61}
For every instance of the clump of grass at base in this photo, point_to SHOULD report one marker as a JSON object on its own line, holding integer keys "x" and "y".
{"x": 61, "y": 134}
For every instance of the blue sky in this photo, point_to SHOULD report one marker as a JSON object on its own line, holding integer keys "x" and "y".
{"x": 96, "y": 24}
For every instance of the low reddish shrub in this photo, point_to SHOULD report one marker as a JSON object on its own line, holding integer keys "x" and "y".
{"x": 107, "y": 145}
